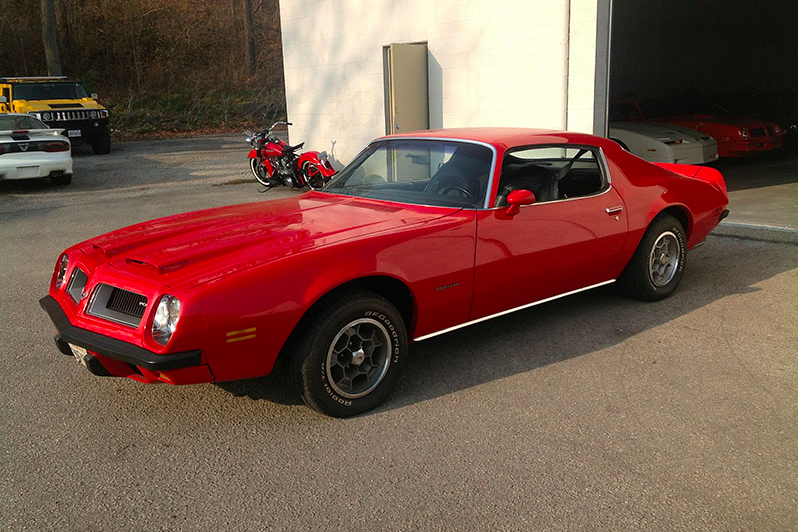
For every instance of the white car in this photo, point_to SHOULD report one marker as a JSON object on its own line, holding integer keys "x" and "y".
{"x": 29, "y": 149}
{"x": 664, "y": 143}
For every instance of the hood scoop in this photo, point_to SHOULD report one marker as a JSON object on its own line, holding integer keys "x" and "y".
{"x": 65, "y": 105}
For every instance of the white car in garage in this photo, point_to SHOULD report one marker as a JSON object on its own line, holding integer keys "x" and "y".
{"x": 664, "y": 143}
{"x": 29, "y": 149}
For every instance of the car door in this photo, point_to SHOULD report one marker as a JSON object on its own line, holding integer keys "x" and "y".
{"x": 561, "y": 243}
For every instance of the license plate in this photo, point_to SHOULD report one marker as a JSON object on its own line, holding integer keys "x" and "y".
{"x": 80, "y": 353}
{"x": 28, "y": 171}
{"x": 73, "y": 133}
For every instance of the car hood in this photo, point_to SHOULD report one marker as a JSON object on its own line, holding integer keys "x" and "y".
{"x": 27, "y": 106}
{"x": 203, "y": 245}
{"x": 658, "y": 131}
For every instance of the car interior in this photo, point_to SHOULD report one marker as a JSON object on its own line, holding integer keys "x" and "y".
{"x": 551, "y": 176}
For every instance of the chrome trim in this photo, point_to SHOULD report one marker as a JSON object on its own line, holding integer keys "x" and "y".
{"x": 613, "y": 210}
{"x": 502, "y": 313}
{"x": 603, "y": 168}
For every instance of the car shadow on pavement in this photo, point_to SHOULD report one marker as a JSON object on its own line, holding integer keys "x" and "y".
{"x": 563, "y": 329}
{"x": 582, "y": 324}
{"x": 274, "y": 388}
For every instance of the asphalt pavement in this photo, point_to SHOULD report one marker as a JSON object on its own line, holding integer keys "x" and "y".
{"x": 592, "y": 412}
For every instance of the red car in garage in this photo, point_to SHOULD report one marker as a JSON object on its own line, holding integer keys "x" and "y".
{"x": 736, "y": 136}
{"x": 422, "y": 233}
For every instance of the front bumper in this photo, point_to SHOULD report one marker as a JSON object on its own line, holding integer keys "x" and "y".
{"x": 90, "y": 130}
{"x": 124, "y": 359}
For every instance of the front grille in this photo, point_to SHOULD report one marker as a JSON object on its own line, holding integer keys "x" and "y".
{"x": 63, "y": 116}
{"x": 126, "y": 302}
{"x": 758, "y": 132}
{"x": 76, "y": 284}
{"x": 118, "y": 305}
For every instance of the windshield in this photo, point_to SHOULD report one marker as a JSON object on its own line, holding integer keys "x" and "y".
{"x": 10, "y": 122}
{"x": 424, "y": 172}
{"x": 62, "y": 90}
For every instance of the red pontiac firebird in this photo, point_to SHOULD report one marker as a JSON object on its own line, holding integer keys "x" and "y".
{"x": 421, "y": 234}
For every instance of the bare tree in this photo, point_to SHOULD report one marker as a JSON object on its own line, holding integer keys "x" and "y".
{"x": 249, "y": 37}
{"x": 50, "y": 38}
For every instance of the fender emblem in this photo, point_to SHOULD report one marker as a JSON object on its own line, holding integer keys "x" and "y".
{"x": 243, "y": 334}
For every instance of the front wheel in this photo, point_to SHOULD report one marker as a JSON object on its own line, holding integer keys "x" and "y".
{"x": 313, "y": 176}
{"x": 351, "y": 356}
{"x": 259, "y": 172}
{"x": 658, "y": 263}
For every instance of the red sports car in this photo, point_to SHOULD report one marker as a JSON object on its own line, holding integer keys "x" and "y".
{"x": 421, "y": 234}
{"x": 736, "y": 136}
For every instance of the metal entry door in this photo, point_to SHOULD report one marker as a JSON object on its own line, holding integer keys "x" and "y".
{"x": 407, "y": 94}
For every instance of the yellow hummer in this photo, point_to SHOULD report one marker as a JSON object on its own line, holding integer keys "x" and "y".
{"x": 60, "y": 103}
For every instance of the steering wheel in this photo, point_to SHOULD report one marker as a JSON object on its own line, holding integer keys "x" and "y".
{"x": 463, "y": 193}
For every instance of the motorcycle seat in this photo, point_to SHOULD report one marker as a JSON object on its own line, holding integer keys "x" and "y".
{"x": 292, "y": 148}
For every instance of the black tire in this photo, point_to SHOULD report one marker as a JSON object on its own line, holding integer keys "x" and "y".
{"x": 63, "y": 179}
{"x": 658, "y": 264}
{"x": 259, "y": 172}
{"x": 330, "y": 376}
{"x": 102, "y": 145}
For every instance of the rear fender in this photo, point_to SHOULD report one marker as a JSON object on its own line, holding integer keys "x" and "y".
{"x": 704, "y": 173}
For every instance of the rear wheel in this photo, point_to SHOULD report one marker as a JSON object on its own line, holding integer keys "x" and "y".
{"x": 658, "y": 264}
{"x": 351, "y": 356}
{"x": 102, "y": 145}
{"x": 61, "y": 179}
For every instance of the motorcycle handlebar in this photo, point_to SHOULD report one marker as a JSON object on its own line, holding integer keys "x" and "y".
{"x": 280, "y": 122}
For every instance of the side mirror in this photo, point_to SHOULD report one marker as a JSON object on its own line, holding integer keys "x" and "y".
{"x": 3, "y": 99}
{"x": 93, "y": 95}
{"x": 516, "y": 198}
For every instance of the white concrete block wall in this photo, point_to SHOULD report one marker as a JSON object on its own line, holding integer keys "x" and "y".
{"x": 491, "y": 63}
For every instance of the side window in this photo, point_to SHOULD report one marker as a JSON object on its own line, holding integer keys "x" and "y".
{"x": 551, "y": 172}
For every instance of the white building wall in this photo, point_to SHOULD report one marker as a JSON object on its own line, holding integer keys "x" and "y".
{"x": 491, "y": 63}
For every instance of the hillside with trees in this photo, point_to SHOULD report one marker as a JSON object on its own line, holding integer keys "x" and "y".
{"x": 161, "y": 66}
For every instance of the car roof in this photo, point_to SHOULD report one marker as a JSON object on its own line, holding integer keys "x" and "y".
{"x": 505, "y": 136}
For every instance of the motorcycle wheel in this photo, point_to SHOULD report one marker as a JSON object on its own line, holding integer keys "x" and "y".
{"x": 313, "y": 176}
{"x": 260, "y": 172}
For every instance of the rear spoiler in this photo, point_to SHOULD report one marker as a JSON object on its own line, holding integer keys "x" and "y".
{"x": 48, "y": 131}
{"x": 705, "y": 173}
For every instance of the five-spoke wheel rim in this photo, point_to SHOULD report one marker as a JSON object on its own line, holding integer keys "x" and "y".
{"x": 664, "y": 259}
{"x": 358, "y": 358}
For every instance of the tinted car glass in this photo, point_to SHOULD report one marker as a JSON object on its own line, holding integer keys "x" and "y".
{"x": 424, "y": 172}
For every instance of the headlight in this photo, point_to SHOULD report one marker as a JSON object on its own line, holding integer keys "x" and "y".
{"x": 777, "y": 129}
{"x": 47, "y": 116}
{"x": 166, "y": 316}
{"x": 744, "y": 133}
{"x": 94, "y": 114}
{"x": 103, "y": 113}
{"x": 63, "y": 262}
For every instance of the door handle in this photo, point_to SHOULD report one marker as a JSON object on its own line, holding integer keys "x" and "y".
{"x": 613, "y": 210}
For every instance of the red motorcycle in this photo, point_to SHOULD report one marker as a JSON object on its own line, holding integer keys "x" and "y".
{"x": 273, "y": 162}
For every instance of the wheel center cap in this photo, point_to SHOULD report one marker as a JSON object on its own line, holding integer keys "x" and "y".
{"x": 358, "y": 357}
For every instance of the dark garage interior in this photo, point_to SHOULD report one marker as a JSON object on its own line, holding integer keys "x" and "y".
{"x": 736, "y": 54}
{"x": 670, "y": 47}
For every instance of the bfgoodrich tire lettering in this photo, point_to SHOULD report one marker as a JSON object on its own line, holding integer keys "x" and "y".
{"x": 658, "y": 264}
{"x": 351, "y": 355}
